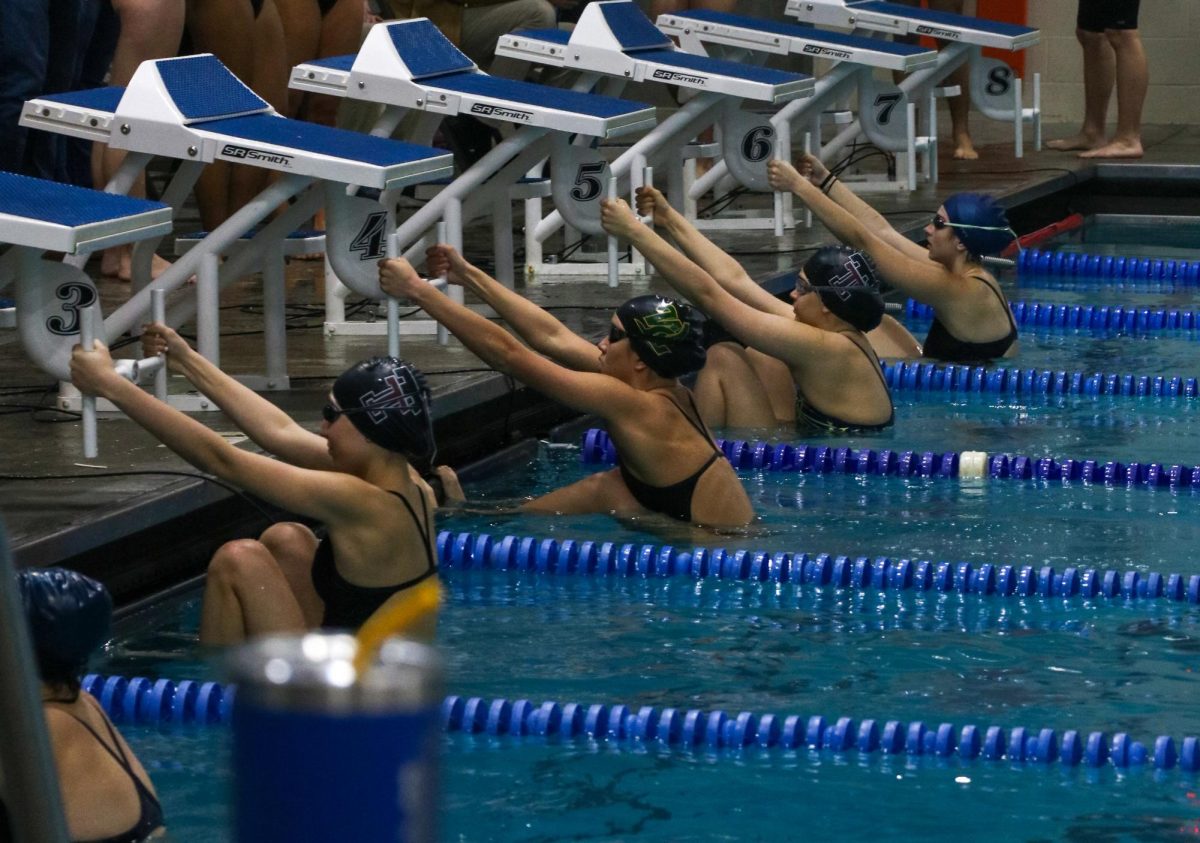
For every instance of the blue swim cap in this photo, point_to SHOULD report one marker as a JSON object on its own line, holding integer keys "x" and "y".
{"x": 665, "y": 334}
{"x": 846, "y": 281}
{"x": 980, "y": 223}
{"x": 70, "y": 617}
{"x": 388, "y": 401}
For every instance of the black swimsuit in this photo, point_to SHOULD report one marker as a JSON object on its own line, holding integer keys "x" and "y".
{"x": 674, "y": 500}
{"x": 940, "y": 344}
{"x": 347, "y": 606}
{"x": 150, "y": 817}
{"x": 810, "y": 419}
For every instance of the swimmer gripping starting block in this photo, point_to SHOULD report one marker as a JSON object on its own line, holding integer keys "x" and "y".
{"x": 614, "y": 41}
{"x": 56, "y": 302}
{"x": 194, "y": 110}
{"x": 887, "y": 121}
{"x": 995, "y": 89}
{"x": 410, "y": 66}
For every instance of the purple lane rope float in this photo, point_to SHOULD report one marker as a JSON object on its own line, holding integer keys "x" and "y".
{"x": 163, "y": 702}
{"x": 598, "y": 448}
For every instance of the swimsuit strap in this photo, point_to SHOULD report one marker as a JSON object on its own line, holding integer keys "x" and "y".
{"x": 1000, "y": 297}
{"x": 116, "y": 751}
{"x": 874, "y": 358}
{"x": 697, "y": 425}
{"x": 420, "y": 524}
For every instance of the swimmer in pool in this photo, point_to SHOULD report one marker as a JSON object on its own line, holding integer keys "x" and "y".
{"x": 106, "y": 795}
{"x": 668, "y": 461}
{"x": 813, "y": 359}
{"x": 972, "y": 320}
{"x": 358, "y": 477}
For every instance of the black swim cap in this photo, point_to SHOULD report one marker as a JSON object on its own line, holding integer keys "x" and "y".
{"x": 70, "y": 617}
{"x": 388, "y": 401}
{"x": 980, "y": 223}
{"x": 666, "y": 334}
{"x": 848, "y": 286}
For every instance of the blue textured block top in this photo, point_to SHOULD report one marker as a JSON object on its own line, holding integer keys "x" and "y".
{"x": 96, "y": 99}
{"x": 202, "y": 88}
{"x": 65, "y": 204}
{"x": 719, "y": 67}
{"x": 425, "y": 51}
{"x": 632, "y": 28}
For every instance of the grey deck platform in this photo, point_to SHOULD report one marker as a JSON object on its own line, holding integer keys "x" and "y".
{"x": 90, "y": 518}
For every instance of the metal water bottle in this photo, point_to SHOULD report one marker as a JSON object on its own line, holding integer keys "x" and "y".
{"x": 321, "y": 753}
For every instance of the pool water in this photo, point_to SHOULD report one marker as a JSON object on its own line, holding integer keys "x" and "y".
{"x": 1104, "y": 664}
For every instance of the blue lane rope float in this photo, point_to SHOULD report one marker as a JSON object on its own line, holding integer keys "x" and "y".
{"x": 149, "y": 702}
{"x": 465, "y": 551}
{"x": 1109, "y": 269}
{"x": 598, "y": 448}
{"x": 1048, "y": 316}
{"x": 920, "y": 376}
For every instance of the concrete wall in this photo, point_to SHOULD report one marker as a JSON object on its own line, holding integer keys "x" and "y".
{"x": 1170, "y": 30}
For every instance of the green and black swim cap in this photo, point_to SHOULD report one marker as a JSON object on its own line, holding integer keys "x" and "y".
{"x": 849, "y": 288}
{"x": 388, "y": 401}
{"x": 666, "y": 334}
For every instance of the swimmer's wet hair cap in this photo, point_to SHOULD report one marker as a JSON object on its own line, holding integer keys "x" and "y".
{"x": 980, "y": 223}
{"x": 70, "y": 618}
{"x": 388, "y": 401}
{"x": 849, "y": 288}
{"x": 666, "y": 334}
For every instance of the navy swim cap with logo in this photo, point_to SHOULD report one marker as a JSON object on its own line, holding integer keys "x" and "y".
{"x": 665, "y": 334}
{"x": 849, "y": 288}
{"x": 388, "y": 401}
{"x": 980, "y": 222}
{"x": 70, "y": 618}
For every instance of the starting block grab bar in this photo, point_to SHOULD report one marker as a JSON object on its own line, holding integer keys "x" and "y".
{"x": 57, "y": 302}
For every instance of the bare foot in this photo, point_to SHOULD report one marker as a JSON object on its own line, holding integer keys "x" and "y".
{"x": 1080, "y": 141}
{"x": 117, "y": 262}
{"x": 964, "y": 149}
{"x": 1116, "y": 149}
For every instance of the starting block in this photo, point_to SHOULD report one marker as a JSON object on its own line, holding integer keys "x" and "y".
{"x": 193, "y": 109}
{"x": 56, "y": 301}
{"x": 616, "y": 42}
{"x": 995, "y": 89}
{"x": 887, "y": 121}
{"x": 411, "y": 66}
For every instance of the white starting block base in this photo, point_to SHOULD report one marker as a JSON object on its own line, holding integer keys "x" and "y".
{"x": 416, "y": 326}
{"x": 69, "y": 400}
{"x": 8, "y": 317}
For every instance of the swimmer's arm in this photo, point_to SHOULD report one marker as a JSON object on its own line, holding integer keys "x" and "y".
{"x": 726, "y": 271}
{"x": 535, "y": 325}
{"x": 588, "y": 392}
{"x": 875, "y": 221}
{"x": 918, "y": 277}
{"x": 267, "y": 426}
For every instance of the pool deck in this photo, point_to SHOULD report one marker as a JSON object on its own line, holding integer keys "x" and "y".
{"x": 119, "y": 527}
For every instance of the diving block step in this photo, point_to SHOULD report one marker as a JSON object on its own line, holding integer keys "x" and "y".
{"x": 410, "y": 64}
{"x": 49, "y": 216}
{"x": 769, "y": 36}
{"x": 193, "y": 108}
{"x": 300, "y": 242}
{"x": 616, "y": 39}
{"x": 909, "y": 20}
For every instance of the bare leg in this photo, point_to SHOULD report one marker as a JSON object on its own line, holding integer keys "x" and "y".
{"x": 1099, "y": 75}
{"x": 891, "y": 339}
{"x": 777, "y": 380}
{"x": 601, "y": 492}
{"x": 246, "y": 594}
{"x": 728, "y": 391}
{"x": 150, "y": 29}
{"x": 1133, "y": 79}
{"x": 294, "y": 547}
{"x": 268, "y": 78}
{"x": 960, "y": 106}
{"x": 301, "y": 20}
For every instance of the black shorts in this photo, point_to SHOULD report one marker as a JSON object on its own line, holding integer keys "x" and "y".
{"x": 1099, "y": 15}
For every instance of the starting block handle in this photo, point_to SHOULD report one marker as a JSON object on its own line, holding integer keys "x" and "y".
{"x": 647, "y": 181}
{"x": 392, "y": 250}
{"x": 158, "y": 312}
{"x": 614, "y": 268}
{"x": 87, "y": 339}
{"x": 442, "y": 281}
